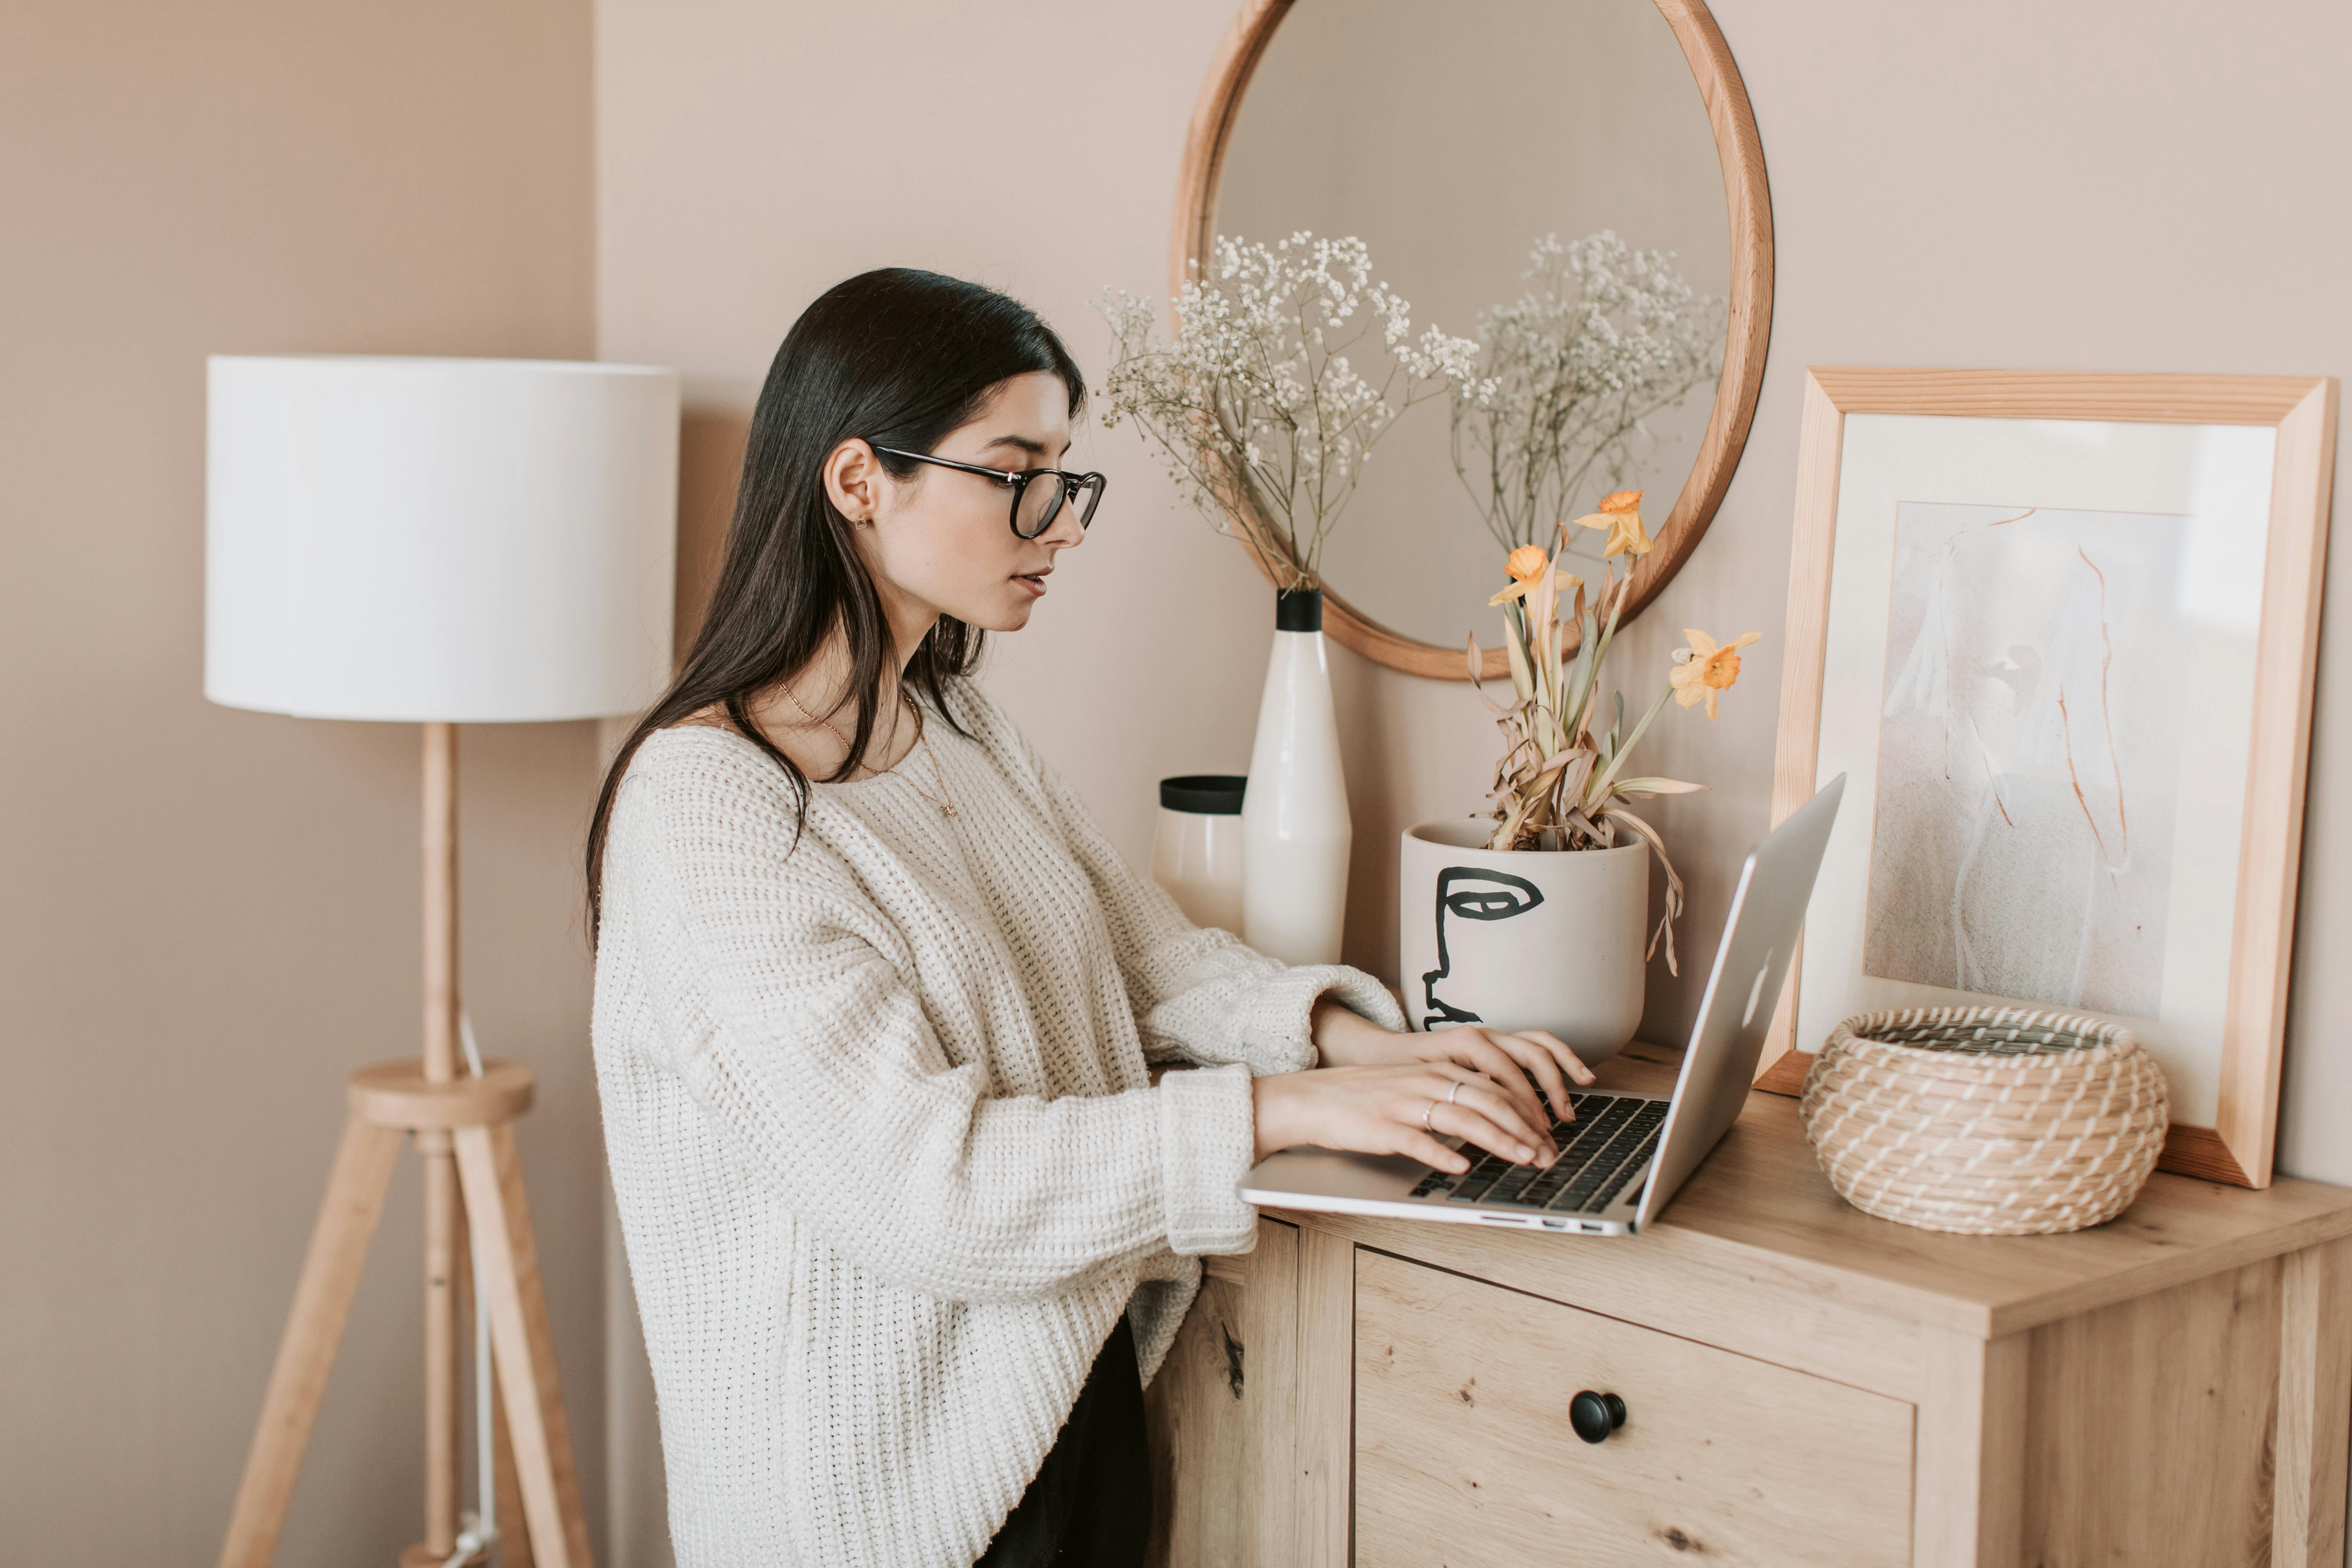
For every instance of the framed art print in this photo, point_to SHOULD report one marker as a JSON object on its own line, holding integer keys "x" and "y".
{"x": 2058, "y": 631}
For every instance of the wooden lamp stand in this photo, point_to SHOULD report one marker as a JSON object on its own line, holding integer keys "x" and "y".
{"x": 464, "y": 1128}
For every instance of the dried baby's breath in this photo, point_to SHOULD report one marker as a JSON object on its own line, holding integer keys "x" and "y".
{"x": 1607, "y": 337}
{"x": 1289, "y": 362}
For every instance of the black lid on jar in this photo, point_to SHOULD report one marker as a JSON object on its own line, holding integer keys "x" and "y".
{"x": 1208, "y": 794}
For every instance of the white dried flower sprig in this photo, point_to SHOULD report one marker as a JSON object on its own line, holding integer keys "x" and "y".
{"x": 1258, "y": 406}
{"x": 1607, "y": 337}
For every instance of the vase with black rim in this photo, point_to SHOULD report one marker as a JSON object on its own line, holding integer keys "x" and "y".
{"x": 1295, "y": 831}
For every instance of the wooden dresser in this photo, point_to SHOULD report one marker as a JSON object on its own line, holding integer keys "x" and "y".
{"x": 1802, "y": 1384}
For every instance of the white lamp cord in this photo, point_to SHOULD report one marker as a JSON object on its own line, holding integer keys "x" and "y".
{"x": 481, "y": 1526}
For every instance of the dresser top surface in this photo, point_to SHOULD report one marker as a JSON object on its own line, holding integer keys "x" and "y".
{"x": 1761, "y": 1202}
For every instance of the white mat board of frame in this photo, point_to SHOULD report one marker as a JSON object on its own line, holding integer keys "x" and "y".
{"x": 2058, "y": 629}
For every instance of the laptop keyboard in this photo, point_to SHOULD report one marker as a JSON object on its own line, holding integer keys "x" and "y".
{"x": 1600, "y": 1152}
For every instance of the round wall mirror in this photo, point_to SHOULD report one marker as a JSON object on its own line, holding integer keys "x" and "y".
{"x": 1480, "y": 152}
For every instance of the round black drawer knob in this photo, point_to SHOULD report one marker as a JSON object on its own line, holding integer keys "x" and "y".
{"x": 1595, "y": 1416}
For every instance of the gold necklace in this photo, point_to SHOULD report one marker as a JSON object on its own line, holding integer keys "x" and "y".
{"x": 946, "y": 805}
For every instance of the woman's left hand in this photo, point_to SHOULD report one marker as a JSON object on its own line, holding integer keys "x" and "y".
{"x": 1520, "y": 1064}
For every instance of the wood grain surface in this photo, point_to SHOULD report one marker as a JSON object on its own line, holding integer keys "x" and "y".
{"x": 2180, "y": 1383}
{"x": 1220, "y": 1415}
{"x": 2313, "y": 1424}
{"x": 1462, "y": 1435}
{"x": 1967, "y": 1499}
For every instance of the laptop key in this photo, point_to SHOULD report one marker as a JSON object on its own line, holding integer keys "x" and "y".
{"x": 1473, "y": 1184}
{"x": 1612, "y": 1158}
{"x": 1512, "y": 1182}
{"x": 1577, "y": 1106}
{"x": 1607, "y": 1194}
{"x": 1589, "y": 1182}
{"x": 1586, "y": 1127}
{"x": 1602, "y": 1127}
{"x": 1591, "y": 1195}
{"x": 1615, "y": 1132}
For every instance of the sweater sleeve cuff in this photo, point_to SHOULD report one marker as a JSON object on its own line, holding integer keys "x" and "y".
{"x": 1208, "y": 1132}
{"x": 1278, "y": 1024}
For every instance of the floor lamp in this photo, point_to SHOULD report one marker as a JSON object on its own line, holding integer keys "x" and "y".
{"x": 435, "y": 541}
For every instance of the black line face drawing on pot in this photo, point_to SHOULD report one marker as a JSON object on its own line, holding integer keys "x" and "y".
{"x": 1488, "y": 896}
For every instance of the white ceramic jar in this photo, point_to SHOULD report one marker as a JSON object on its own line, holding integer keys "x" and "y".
{"x": 1196, "y": 852}
{"x": 1522, "y": 939}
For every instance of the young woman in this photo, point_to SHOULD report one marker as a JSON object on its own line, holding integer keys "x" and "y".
{"x": 876, "y": 1003}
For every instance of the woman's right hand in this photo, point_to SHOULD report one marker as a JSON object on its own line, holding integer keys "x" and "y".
{"x": 1386, "y": 1110}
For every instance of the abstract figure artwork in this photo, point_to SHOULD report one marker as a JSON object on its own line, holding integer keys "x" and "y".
{"x": 2029, "y": 750}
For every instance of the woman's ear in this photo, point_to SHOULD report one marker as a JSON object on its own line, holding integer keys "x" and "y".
{"x": 853, "y": 478}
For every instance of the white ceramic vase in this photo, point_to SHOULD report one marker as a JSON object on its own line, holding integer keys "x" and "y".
{"x": 1522, "y": 939}
{"x": 1296, "y": 832}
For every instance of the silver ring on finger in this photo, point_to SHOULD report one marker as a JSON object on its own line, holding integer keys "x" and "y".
{"x": 1425, "y": 1115}
{"x": 1454, "y": 1091}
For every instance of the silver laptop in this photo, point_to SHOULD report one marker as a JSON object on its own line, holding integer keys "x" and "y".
{"x": 1626, "y": 1154}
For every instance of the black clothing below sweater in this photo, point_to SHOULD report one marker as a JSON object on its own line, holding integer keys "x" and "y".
{"x": 1090, "y": 1505}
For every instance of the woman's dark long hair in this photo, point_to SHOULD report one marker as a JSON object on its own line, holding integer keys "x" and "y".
{"x": 901, "y": 358}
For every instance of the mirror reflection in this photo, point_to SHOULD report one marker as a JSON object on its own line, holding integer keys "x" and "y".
{"x": 1539, "y": 174}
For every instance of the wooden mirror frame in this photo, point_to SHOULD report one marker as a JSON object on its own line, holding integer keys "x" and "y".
{"x": 1750, "y": 326}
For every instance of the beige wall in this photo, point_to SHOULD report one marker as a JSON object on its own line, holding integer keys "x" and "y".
{"x": 210, "y": 916}
{"x": 2004, "y": 185}
{"x": 2143, "y": 186}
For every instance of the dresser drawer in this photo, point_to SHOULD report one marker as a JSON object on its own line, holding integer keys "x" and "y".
{"x": 1465, "y": 1455}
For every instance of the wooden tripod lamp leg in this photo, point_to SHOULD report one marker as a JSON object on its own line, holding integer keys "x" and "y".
{"x": 514, "y": 1533}
{"x": 323, "y": 1302}
{"x": 441, "y": 1028}
{"x": 523, "y": 1344}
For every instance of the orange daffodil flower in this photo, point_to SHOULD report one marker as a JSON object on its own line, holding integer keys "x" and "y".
{"x": 1704, "y": 669}
{"x": 1526, "y": 566}
{"x": 1621, "y": 514}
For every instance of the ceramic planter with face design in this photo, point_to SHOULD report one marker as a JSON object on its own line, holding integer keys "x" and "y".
{"x": 1522, "y": 939}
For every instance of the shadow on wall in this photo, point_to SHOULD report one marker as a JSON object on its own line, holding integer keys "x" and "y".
{"x": 1378, "y": 805}
{"x": 710, "y": 465}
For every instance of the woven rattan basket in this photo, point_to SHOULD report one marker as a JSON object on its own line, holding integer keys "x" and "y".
{"x": 1986, "y": 1121}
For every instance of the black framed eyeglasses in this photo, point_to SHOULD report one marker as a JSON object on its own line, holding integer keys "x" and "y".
{"x": 1037, "y": 493}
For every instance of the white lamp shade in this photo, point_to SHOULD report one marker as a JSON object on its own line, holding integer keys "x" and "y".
{"x": 451, "y": 540}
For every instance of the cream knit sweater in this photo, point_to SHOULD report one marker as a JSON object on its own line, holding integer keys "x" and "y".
{"x": 889, "y": 1162}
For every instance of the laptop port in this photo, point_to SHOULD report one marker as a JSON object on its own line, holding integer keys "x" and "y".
{"x": 1555, "y": 1224}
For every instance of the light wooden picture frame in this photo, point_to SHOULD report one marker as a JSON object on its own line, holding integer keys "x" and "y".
{"x": 2158, "y": 484}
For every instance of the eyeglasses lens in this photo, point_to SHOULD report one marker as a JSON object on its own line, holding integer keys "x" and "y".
{"x": 1039, "y": 504}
